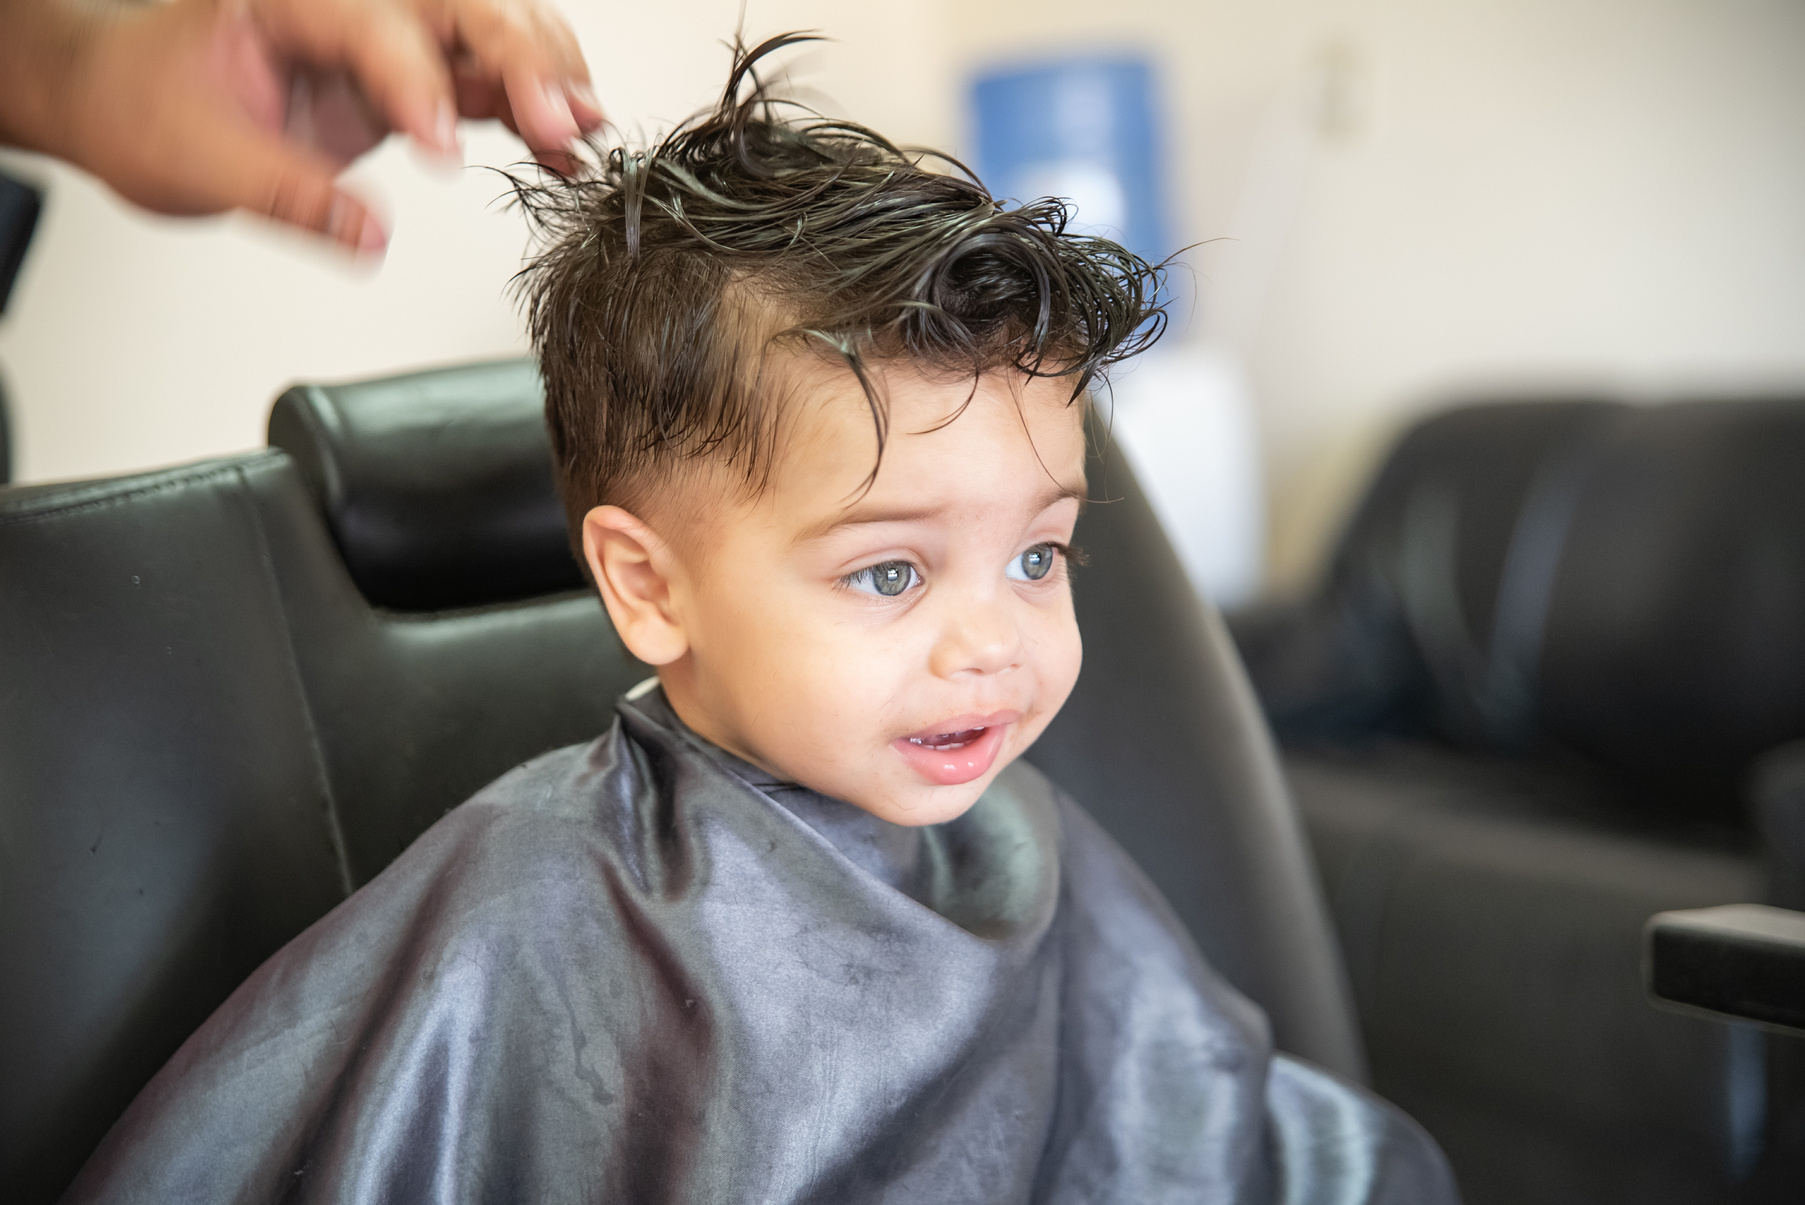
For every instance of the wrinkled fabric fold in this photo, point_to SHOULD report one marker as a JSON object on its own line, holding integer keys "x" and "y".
{"x": 642, "y": 970}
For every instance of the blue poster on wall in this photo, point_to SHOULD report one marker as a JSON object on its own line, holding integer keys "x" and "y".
{"x": 1082, "y": 128}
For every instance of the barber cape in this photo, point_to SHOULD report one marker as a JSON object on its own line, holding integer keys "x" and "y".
{"x": 644, "y": 971}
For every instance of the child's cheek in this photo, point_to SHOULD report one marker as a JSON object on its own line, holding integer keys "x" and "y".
{"x": 840, "y": 690}
{"x": 1057, "y": 653}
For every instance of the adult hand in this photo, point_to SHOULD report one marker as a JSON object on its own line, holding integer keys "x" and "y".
{"x": 199, "y": 106}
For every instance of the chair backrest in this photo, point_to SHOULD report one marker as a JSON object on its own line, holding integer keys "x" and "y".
{"x": 164, "y": 821}
{"x": 209, "y": 734}
{"x": 1424, "y": 588}
{"x": 1624, "y": 582}
{"x": 1433, "y": 542}
{"x": 1672, "y": 648}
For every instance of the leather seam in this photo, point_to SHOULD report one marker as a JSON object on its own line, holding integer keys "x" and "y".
{"x": 334, "y": 827}
{"x": 396, "y": 616}
{"x": 56, "y": 510}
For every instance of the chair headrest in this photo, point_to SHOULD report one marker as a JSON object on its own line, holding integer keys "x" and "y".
{"x": 437, "y": 486}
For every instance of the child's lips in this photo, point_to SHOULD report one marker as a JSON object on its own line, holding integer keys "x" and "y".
{"x": 958, "y": 749}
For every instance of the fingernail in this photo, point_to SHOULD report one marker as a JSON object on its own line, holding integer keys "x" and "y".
{"x": 338, "y": 217}
{"x": 445, "y": 128}
{"x": 583, "y": 94}
{"x": 372, "y": 239}
{"x": 355, "y": 228}
{"x": 560, "y": 107}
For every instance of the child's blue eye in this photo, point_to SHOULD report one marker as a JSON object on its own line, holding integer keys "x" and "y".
{"x": 1033, "y": 564}
{"x": 888, "y": 579}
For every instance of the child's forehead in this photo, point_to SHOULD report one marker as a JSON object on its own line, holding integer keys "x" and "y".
{"x": 911, "y": 397}
{"x": 1001, "y": 435}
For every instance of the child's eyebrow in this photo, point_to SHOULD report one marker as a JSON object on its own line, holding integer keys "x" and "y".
{"x": 859, "y": 516}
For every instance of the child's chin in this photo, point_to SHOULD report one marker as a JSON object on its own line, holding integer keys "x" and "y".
{"x": 926, "y": 804}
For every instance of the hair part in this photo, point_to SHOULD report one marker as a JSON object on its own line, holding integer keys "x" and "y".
{"x": 670, "y": 275}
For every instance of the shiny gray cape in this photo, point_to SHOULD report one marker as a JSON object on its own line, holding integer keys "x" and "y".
{"x": 641, "y": 970}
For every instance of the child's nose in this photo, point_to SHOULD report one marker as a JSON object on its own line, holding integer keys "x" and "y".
{"x": 980, "y": 636}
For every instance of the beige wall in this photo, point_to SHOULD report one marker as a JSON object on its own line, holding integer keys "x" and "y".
{"x": 1412, "y": 198}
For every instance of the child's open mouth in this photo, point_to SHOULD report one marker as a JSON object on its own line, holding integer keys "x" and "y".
{"x": 958, "y": 750}
{"x": 948, "y": 740}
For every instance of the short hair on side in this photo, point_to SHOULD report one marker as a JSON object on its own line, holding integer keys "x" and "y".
{"x": 666, "y": 273}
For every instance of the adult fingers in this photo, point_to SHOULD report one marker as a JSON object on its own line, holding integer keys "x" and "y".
{"x": 481, "y": 98}
{"x": 534, "y": 56}
{"x": 246, "y": 168}
{"x": 478, "y": 96}
{"x": 329, "y": 113}
{"x": 399, "y": 50}
{"x": 572, "y": 71}
{"x": 541, "y": 110}
{"x": 402, "y": 68}
{"x": 393, "y": 50}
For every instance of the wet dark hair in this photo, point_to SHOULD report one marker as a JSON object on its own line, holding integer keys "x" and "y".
{"x": 668, "y": 273}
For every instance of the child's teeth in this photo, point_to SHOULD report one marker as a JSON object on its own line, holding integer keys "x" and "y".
{"x": 947, "y": 740}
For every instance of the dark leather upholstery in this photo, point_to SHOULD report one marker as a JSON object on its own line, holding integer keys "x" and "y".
{"x": 166, "y": 822}
{"x": 1590, "y": 668}
{"x": 1160, "y": 742}
{"x": 1491, "y": 911}
{"x": 1448, "y": 504}
{"x": 6, "y": 441}
{"x": 1621, "y": 581}
{"x": 1777, "y": 808}
{"x": 413, "y": 713}
{"x": 1440, "y": 571}
{"x": 208, "y": 733}
{"x": 456, "y": 512}
{"x": 1675, "y": 642}
{"x": 20, "y": 205}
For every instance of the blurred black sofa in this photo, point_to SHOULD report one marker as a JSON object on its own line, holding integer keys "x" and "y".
{"x": 1544, "y": 690}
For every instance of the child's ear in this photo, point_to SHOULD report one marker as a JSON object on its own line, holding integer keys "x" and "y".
{"x": 632, "y": 567}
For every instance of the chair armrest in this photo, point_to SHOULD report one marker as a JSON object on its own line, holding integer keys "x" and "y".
{"x": 1739, "y": 960}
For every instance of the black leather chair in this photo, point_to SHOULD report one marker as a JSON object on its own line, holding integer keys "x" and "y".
{"x": 1520, "y": 717}
{"x": 231, "y": 692}
{"x": 1413, "y": 631}
{"x": 20, "y": 204}
{"x": 6, "y": 443}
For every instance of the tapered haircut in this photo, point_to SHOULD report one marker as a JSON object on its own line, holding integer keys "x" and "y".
{"x": 668, "y": 275}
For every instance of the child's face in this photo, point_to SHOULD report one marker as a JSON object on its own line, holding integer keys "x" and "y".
{"x": 894, "y": 649}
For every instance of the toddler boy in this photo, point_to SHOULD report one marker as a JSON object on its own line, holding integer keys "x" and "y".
{"x": 800, "y": 926}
